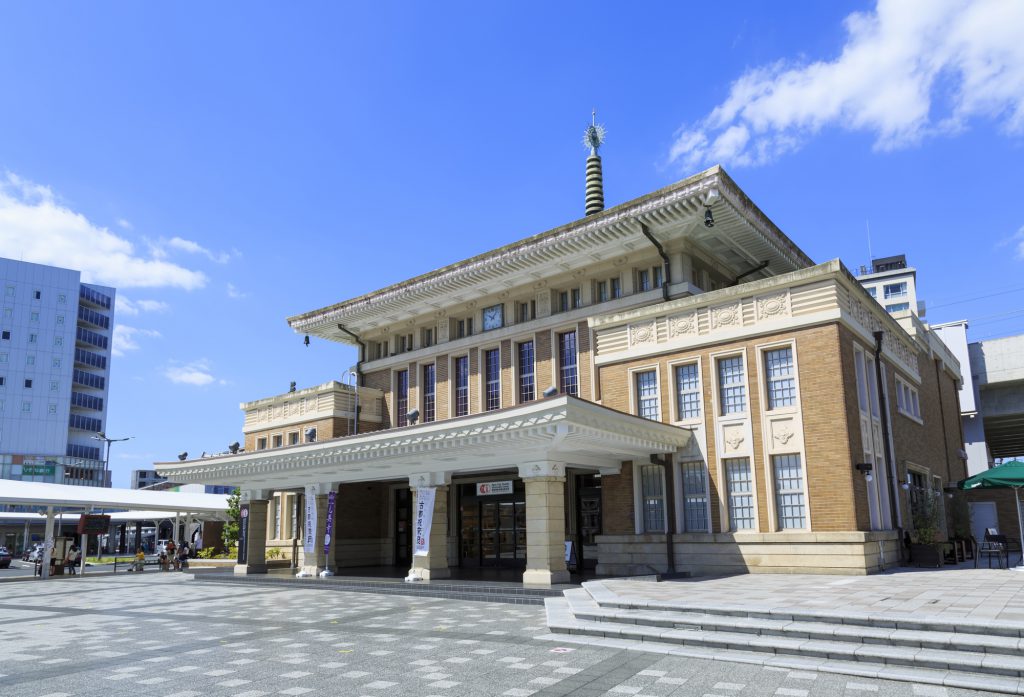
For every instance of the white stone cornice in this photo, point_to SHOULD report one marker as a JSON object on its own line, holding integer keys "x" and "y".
{"x": 606, "y": 234}
{"x": 558, "y": 429}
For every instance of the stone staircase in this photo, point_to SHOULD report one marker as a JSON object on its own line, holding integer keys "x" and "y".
{"x": 967, "y": 654}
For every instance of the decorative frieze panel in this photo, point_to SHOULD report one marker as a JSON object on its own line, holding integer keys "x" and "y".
{"x": 683, "y": 325}
{"x": 730, "y": 315}
{"x": 774, "y": 306}
{"x": 645, "y": 333}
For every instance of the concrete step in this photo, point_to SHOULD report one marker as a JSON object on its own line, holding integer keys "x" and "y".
{"x": 453, "y": 590}
{"x": 566, "y": 630}
{"x": 854, "y": 650}
{"x": 584, "y": 607}
{"x": 894, "y": 620}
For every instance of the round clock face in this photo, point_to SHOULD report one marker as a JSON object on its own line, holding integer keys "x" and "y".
{"x": 492, "y": 317}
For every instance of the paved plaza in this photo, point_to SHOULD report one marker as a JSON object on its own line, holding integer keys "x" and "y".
{"x": 167, "y": 636}
{"x": 963, "y": 594}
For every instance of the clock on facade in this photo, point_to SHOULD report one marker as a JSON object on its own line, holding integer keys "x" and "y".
{"x": 493, "y": 316}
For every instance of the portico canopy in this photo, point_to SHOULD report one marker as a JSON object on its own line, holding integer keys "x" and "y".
{"x": 561, "y": 429}
{"x": 64, "y": 497}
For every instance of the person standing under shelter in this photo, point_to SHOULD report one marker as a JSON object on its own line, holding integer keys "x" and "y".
{"x": 71, "y": 558}
{"x": 172, "y": 553}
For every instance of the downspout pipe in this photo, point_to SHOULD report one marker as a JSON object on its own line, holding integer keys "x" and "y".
{"x": 670, "y": 511}
{"x": 890, "y": 464}
{"x": 762, "y": 265}
{"x": 359, "y": 371}
{"x": 664, "y": 261}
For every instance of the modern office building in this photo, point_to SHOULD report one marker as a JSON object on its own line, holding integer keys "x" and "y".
{"x": 143, "y": 479}
{"x": 667, "y": 385}
{"x": 893, "y": 284}
{"x": 55, "y": 336}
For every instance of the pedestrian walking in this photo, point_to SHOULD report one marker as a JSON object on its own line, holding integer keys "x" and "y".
{"x": 172, "y": 553}
{"x": 183, "y": 556}
{"x": 140, "y": 560}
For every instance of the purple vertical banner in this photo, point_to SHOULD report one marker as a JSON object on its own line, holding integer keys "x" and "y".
{"x": 331, "y": 496}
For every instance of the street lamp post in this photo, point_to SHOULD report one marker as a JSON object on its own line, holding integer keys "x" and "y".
{"x": 101, "y": 436}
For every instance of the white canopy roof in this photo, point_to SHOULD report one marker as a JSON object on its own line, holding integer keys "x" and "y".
{"x": 118, "y": 517}
{"x": 81, "y": 498}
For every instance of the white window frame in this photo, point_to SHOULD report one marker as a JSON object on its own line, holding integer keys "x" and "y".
{"x": 634, "y": 397}
{"x": 718, "y": 397}
{"x": 681, "y": 494}
{"x": 729, "y": 495}
{"x": 908, "y": 400}
{"x": 639, "y": 498}
{"x": 765, "y": 379}
{"x": 777, "y": 492}
{"x": 674, "y": 406}
{"x": 483, "y": 377}
{"x": 537, "y": 389}
{"x": 453, "y": 389}
{"x": 903, "y": 291}
{"x": 556, "y": 356}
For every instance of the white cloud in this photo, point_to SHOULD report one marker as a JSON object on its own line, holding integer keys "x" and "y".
{"x": 125, "y": 306}
{"x": 195, "y": 248}
{"x": 234, "y": 293}
{"x": 126, "y": 338}
{"x": 125, "y": 224}
{"x": 909, "y": 70}
{"x": 194, "y": 373}
{"x": 1018, "y": 242}
{"x": 35, "y": 226}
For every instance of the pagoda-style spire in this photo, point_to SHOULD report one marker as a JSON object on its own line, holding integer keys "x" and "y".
{"x": 593, "y": 137}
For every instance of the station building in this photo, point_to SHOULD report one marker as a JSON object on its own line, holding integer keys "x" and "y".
{"x": 668, "y": 385}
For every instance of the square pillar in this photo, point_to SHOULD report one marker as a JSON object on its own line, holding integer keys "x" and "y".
{"x": 256, "y": 533}
{"x": 316, "y": 499}
{"x": 434, "y": 565}
{"x": 545, "y": 523}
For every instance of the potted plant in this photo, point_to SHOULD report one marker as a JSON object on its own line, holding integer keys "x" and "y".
{"x": 926, "y": 515}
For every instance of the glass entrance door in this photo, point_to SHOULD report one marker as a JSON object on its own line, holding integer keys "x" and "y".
{"x": 493, "y": 531}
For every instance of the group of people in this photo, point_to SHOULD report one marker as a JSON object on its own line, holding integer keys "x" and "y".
{"x": 174, "y": 555}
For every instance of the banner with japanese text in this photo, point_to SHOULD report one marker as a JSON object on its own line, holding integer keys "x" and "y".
{"x": 423, "y": 519}
{"x": 309, "y": 529}
{"x": 331, "y": 497}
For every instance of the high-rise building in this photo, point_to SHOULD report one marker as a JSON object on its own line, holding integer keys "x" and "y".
{"x": 55, "y": 335}
{"x": 143, "y": 479}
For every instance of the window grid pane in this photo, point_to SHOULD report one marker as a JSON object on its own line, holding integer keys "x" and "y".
{"x": 492, "y": 375}
{"x": 429, "y": 385}
{"x": 695, "y": 497}
{"x": 567, "y": 377}
{"x": 527, "y": 387}
{"x": 789, "y": 492}
{"x": 462, "y": 385}
{"x": 402, "y": 398}
{"x": 733, "y": 390}
{"x": 647, "y": 395}
{"x": 778, "y": 367}
{"x": 688, "y": 391}
{"x": 741, "y": 494}
{"x": 653, "y": 498}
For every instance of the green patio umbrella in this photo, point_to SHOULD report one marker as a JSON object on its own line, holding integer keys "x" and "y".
{"x": 1009, "y": 475}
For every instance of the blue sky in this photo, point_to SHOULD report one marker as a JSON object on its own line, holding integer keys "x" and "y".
{"x": 227, "y": 165}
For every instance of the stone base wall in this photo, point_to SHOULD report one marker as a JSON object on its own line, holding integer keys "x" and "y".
{"x": 856, "y": 553}
{"x": 368, "y": 551}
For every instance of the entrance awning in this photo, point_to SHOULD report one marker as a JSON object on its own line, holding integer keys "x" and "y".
{"x": 65, "y": 497}
{"x": 559, "y": 429}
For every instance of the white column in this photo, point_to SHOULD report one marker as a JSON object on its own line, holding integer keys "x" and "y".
{"x": 316, "y": 561}
{"x": 433, "y": 565}
{"x": 174, "y": 535}
{"x": 47, "y": 543}
{"x": 188, "y": 529}
{"x": 545, "y": 523}
{"x": 26, "y": 537}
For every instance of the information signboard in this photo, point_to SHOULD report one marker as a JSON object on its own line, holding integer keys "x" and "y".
{"x": 93, "y": 524}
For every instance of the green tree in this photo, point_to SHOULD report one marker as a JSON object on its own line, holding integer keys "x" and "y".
{"x": 230, "y": 534}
